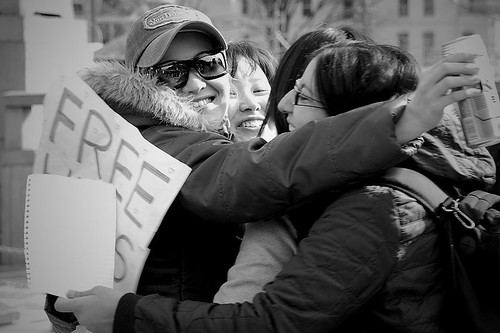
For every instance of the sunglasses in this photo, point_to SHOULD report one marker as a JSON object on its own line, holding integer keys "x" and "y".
{"x": 300, "y": 94}
{"x": 175, "y": 73}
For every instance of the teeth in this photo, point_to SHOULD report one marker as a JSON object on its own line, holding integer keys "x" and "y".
{"x": 251, "y": 123}
{"x": 200, "y": 103}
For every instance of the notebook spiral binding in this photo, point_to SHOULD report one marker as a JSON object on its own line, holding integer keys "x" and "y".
{"x": 26, "y": 227}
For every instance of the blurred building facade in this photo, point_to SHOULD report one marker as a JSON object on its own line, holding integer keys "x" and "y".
{"x": 39, "y": 40}
{"x": 420, "y": 26}
{"x": 44, "y": 38}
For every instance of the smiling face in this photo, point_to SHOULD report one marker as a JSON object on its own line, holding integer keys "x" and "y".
{"x": 209, "y": 97}
{"x": 248, "y": 100}
{"x": 305, "y": 107}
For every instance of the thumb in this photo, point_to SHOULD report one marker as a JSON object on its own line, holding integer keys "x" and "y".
{"x": 74, "y": 294}
{"x": 65, "y": 305}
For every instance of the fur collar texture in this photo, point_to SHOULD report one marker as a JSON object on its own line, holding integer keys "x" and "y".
{"x": 139, "y": 99}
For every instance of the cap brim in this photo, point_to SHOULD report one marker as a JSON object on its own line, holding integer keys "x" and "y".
{"x": 156, "y": 49}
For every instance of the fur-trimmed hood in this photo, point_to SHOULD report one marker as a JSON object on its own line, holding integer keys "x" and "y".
{"x": 139, "y": 99}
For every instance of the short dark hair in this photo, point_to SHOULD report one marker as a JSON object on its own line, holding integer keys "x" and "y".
{"x": 255, "y": 55}
{"x": 357, "y": 74}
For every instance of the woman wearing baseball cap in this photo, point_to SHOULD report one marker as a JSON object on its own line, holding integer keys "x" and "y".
{"x": 168, "y": 42}
{"x": 230, "y": 182}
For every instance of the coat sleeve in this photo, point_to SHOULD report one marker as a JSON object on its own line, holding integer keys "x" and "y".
{"x": 340, "y": 266}
{"x": 255, "y": 180}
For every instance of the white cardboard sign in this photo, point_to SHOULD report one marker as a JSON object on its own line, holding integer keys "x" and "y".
{"x": 83, "y": 137}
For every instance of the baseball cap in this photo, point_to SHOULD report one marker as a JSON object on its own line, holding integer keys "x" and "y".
{"x": 151, "y": 34}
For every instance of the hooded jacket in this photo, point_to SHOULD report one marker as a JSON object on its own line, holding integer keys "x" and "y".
{"x": 369, "y": 263}
{"x": 233, "y": 183}
{"x": 245, "y": 182}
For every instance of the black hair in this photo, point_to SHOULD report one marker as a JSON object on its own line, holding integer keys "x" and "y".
{"x": 255, "y": 55}
{"x": 294, "y": 62}
{"x": 357, "y": 74}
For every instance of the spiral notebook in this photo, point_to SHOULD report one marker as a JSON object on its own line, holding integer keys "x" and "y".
{"x": 70, "y": 227}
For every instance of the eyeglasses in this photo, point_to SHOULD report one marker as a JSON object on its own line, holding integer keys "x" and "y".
{"x": 300, "y": 94}
{"x": 175, "y": 74}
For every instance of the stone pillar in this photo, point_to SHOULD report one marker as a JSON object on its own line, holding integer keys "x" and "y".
{"x": 39, "y": 41}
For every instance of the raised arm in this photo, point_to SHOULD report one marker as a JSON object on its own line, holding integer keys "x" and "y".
{"x": 256, "y": 180}
{"x": 434, "y": 93}
{"x": 248, "y": 181}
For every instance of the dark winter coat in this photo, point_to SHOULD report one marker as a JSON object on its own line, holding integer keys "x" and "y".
{"x": 370, "y": 262}
{"x": 244, "y": 182}
{"x": 233, "y": 183}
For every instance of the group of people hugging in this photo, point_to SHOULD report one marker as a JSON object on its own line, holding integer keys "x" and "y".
{"x": 282, "y": 225}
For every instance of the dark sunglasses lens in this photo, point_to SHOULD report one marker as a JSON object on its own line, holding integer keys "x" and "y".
{"x": 211, "y": 66}
{"x": 174, "y": 75}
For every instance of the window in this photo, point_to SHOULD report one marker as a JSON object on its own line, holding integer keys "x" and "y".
{"x": 78, "y": 9}
{"x": 403, "y": 7}
{"x": 244, "y": 8}
{"x": 404, "y": 40}
{"x": 348, "y": 9}
{"x": 428, "y": 48}
{"x": 472, "y": 6}
{"x": 306, "y": 8}
{"x": 429, "y": 8}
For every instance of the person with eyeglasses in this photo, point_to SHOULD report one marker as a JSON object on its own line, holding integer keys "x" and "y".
{"x": 372, "y": 260}
{"x": 230, "y": 182}
{"x": 294, "y": 62}
{"x": 267, "y": 245}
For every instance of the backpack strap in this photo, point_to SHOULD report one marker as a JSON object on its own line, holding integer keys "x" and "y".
{"x": 430, "y": 195}
{"x": 417, "y": 185}
{"x": 472, "y": 303}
